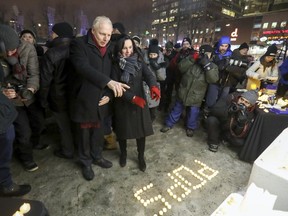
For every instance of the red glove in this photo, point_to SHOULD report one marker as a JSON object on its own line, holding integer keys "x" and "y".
{"x": 139, "y": 101}
{"x": 155, "y": 93}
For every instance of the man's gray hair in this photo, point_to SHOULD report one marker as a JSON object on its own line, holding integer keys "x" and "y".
{"x": 101, "y": 19}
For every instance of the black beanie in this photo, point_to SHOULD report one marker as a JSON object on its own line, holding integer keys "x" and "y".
{"x": 9, "y": 37}
{"x": 120, "y": 27}
{"x": 205, "y": 48}
{"x": 137, "y": 38}
{"x": 271, "y": 51}
{"x": 153, "y": 46}
{"x": 243, "y": 46}
{"x": 29, "y": 32}
{"x": 169, "y": 45}
{"x": 186, "y": 39}
{"x": 63, "y": 30}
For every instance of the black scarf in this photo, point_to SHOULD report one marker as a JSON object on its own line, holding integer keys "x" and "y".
{"x": 129, "y": 66}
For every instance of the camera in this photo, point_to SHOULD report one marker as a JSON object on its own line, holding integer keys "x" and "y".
{"x": 21, "y": 90}
{"x": 237, "y": 63}
{"x": 235, "y": 107}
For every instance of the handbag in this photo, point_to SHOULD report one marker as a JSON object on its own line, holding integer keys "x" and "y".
{"x": 151, "y": 103}
{"x": 253, "y": 84}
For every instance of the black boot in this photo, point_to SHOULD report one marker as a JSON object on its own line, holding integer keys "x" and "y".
{"x": 141, "y": 150}
{"x": 123, "y": 150}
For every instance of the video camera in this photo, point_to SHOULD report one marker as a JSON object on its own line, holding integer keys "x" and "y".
{"x": 21, "y": 90}
{"x": 235, "y": 107}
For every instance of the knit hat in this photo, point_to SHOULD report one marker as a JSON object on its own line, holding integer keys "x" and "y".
{"x": 251, "y": 96}
{"x": 137, "y": 38}
{"x": 63, "y": 30}
{"x": 120, "y": 27}
{"x": 205, "y": 48}
{"x": 177, "y": 46}
{"x": 153, "y": 46}
{"x": 169, "y": 45}
{"x": 243, "y": 46}
{"x": 9, "y": 38}
{"x": 271, "y": 51}
{"x": 186, "y": 39}
{"x": 25, "y": 31}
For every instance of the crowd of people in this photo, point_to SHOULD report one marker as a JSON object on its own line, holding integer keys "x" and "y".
{"x": 104, "y": 87}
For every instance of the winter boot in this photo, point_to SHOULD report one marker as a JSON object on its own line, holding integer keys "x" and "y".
{"x": 123, "y": 154}
{"x": 141, "y": 149}
{"x": 110, "y": 141}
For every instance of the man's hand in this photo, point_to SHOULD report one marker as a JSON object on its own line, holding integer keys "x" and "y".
{"x": 9, "y": 93}
{"x": 104, "y": 100}
{"x": 117, "y": 87}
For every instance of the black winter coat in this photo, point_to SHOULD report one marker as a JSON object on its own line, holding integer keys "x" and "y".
{"x": 131, "y": 121}
{"x": 54, "y": 72}
{"x": 8, "y": 113}
{"x": 89, "y": 79}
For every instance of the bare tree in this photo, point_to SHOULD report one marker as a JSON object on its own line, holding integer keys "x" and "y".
{"x": 3, "y": 12}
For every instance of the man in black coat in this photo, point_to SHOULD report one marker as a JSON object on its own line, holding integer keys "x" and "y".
{"x": 55, "y": 69}
{"x": 90, "y": 92}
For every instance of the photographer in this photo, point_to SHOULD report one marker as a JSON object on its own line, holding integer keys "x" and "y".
{"x": 230, "y": 119}
{"x": 20, "y": 83}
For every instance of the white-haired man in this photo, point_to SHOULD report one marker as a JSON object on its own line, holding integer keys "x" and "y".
{"x": 90, "y": 92}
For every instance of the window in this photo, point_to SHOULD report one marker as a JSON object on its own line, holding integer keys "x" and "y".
{"x": 283, "y": 24}
{"x": 274, "y": 25}
{"x": 257, "y": 25}
{"x": 265, "y": 25}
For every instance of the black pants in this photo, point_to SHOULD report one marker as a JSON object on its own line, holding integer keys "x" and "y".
{"x": 29, "y": 125}
{"x": 90, "y": 144}
{"x": 6, "y": 149}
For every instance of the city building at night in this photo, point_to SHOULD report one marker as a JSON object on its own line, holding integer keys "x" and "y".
{"x": 175, "y": 19}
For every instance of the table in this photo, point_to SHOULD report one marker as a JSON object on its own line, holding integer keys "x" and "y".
{"x": 266, "y": 127}
{"x": 10, "y": 205}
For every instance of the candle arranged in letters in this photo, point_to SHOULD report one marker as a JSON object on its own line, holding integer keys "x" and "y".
{"x": 183, "y": 181}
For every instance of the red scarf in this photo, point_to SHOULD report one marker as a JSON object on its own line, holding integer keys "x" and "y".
{"x": 101, "y": 49}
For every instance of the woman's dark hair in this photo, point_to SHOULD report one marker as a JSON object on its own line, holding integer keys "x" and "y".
{"x": 120, "y": 44}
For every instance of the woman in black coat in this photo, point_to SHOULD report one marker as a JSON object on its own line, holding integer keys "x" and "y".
{"x": 131, "y": 113}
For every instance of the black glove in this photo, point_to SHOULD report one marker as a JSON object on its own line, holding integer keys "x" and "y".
{"x": 223, "y": 64}
{"x": 205, "y": 62}
{"x": 242, "y": 118}
{"x": 154, "y": 65}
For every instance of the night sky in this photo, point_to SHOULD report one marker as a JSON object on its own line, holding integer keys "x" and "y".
{"x": 126, "y": 11}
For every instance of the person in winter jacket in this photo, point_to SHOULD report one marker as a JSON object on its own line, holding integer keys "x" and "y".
{"x": 90, "y": 92}
{"x": 157, "y": 64}
{"x": 8, "y": 114}
{"x": 221, "y": 58}
{"x": 230, "y": 119}
{"x": 196, "y": 75}
{"x": 265, "y": 69}
{"x": 55, "y": 69}
{"x": 282, "y": 87}
{"x": 21, "y": 77}
{"x": 131, "y": 111}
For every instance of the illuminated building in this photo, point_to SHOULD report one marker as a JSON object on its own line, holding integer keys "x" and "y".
{"x": 175, "y": 19}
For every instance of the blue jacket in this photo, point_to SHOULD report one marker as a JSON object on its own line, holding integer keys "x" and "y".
{"x": 284, "y": 72}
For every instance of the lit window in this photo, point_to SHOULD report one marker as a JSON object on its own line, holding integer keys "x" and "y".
{"x": 283, "y": 24}
{"x": 207, "y": 30}
{"x": 257, "y": 25}
{"x": 217, "y": 29}
{"x": 274, "y": 25}
{"x": 265, "y": 25}
{"x": 171, "y": 19}
{"x": 163, "y": 13}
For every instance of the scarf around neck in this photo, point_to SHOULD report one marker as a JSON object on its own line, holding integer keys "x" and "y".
{"x": 129, "y": 67}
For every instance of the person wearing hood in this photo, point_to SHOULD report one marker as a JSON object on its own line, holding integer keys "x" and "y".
{"x": 265, "y": 69}
{"x": 30, "y": 37}
{"x": 55, "y": 69}
{"x": 230, "y": 119}
{"x": 221, "y": 58}
{"x": 282, "y": 88}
